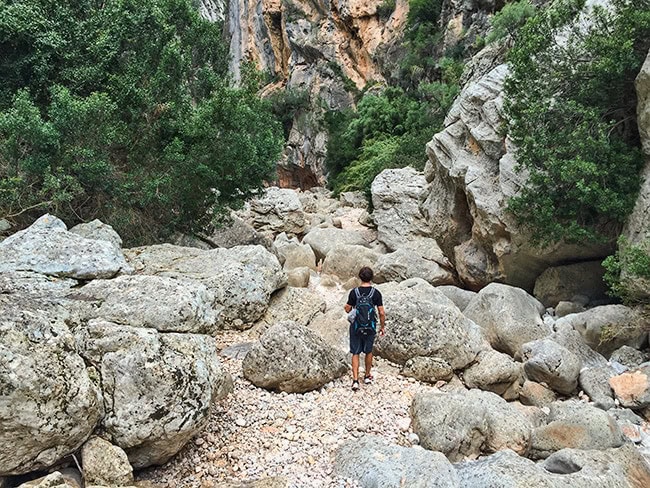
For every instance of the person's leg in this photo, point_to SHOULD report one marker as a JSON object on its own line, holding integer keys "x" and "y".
{"x": 355, "y": 367}
{"x": 368, "y": 361}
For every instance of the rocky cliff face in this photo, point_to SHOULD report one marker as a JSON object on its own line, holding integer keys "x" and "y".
{"x": 324, "y": 50}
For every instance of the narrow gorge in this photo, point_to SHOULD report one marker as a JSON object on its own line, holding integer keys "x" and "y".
{"x": 216, "y": 354}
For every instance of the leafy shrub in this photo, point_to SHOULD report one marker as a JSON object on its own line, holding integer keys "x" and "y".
{"x": 508, "y": 20}
{"x": 122, "y": 110}
{"x": 630, "y": 262}
{"x": 571, "y": 113}
{"x": 386, "y": 9}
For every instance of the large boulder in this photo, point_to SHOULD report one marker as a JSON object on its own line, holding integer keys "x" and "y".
{"x": 424, "y": 322}
{"x": 403, "y": 264}
{"x": 98, "y": 230}
{"x": 323, "y": 240}
{"x": 428, "y": 369}
{"x": 241, "y": 279}
{"x": 34, "y": 284}
{"x": 159, "y": 302}
{"x": 509, "y": 317}
{"x": 467, "y": 424}
{"x": 396, "y": 196}
{"x": 278, "y": 210}
{"x": 459, "y": 296}
{"x": 472, "y": 175}
{"x": 608, "y": 327}
{"x": 345, "y": 261}
{"x": 623, "y": 467}
{"x": 290, "y": 357}
{"x": 576, "y": 425}
{"x": 495, "y": 372}
{"x": 292, "y": 254}
{"x": 48, "y": 248}
{"x": 571, "y": 339}
{"x": 632, "y": 388}
{"x": 49, "y": 405}
{"x": 157, "y": 388}
{"x": 595, "y": 383}
{"x": 235, "y": 231}
{"x": 333, "y": 327}
{"x": 372, "y": 462}
{"x": 546, "y": 361}
{"x": 562, "y": 283}
{"x": 292, "y": 304}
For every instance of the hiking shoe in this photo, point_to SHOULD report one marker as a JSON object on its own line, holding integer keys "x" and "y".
{"x": 355, "y": 385}
{"x": 368, "y": 379}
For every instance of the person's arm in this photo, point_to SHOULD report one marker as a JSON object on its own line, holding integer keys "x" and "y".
{"x": 348, "y": 307}
{"x": 352, "y": 301}
{"x": 382, "y": 320}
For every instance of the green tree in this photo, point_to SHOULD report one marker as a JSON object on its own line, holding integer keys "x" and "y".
{"x": 571, "y": 113}
{"x": 508, "y": 20}
{"x": 122, "y": 110}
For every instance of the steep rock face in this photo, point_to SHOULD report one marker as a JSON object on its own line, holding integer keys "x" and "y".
{"x": 472, "y": 174}
{"x": 324, "y": 50}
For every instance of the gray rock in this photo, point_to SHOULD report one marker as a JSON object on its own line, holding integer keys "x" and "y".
{"x": 404, "y": 264}
{"x": 235, "y": 231}
{"x": 396, "y": 196}
{"x": 290, "y": 357}
{"x": 428, "y": 369}
{"x": 5, "y": 225}
{"x": 608, "y": 327}
{"x": 468, "y": 423}
{"x": 47, "y": 247}
{"x": 536, "y": 394}
{"x": 298, "y": 277}
{"x": 50, "y": 405}
{"x": 52, "y": 480}
{"x": 105, "y": 464}
{"x": 333, "y": 327}
{"x": 472, "y": 174}
{"x": 624, "y": 466}
{"x": 323, "y": 240}
{"x": 460, "y": 297}
{"x": 561, "y": 283}
{"x": 628, "y": 356}
{"x": 98, "y": 230}
{"x": 562, "y": 309}
{"x": 546, "y": 361}
{"x": 509, "y": 317}
{"x": 424, "y": 322}
{"x": 495, "y": 372}
{"x": 345, "y": 261}
{"x": 569, "y": 468}
{"x": 157, "y": 388}
{"x": 372, "y": 462}
{"x": 595, "y": 383}
{"x": 278, "y": 210}
{"x": 34, "y": 284}
{"x": 354, "y": 199}
{"x": 575, "y": 425}
{"x": 159, "y": 302}
{"x": 241, "y": 279}
{"x": 573, "y": 341}
{"x": 292, "y": 304}
{"x": 632, "y": 389}
{"x": 292, "y": 254}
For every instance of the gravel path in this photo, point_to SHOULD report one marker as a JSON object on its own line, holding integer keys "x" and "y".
{"x": 255, "y": 433}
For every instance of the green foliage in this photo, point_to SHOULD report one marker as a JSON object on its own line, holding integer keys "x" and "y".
{"x": 122, "y": 110}
{"x": 286, "y": 104}
{"x": 386, "y": 9}
{"x": 571, "y": 113}
{"x": 630, "y": 262}
{"x": 508, "y": 20}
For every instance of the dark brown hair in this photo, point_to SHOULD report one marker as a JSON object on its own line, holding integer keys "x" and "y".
{"x": 366, "y": 274}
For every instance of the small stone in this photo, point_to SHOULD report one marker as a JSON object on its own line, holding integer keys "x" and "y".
{"x": 414, "y": 439}
{"x": 241, "y": 422}
{"x": 404, "y": 424}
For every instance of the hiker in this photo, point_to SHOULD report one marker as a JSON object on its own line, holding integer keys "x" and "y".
{"x": 363, "y": 323}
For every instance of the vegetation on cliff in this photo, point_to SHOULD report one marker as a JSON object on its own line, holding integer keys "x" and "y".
{"x": 571, "y": 113}
{"x": 391, "y": 126}
{"x": 122, "y": 110}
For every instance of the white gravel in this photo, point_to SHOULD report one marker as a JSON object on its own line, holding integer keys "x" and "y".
{"x": 255, "y": 433}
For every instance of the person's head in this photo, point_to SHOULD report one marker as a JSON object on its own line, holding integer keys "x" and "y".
{"x": 365, "y": 274}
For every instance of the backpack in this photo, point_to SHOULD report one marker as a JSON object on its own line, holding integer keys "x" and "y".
{"x": 365, "y": 322}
